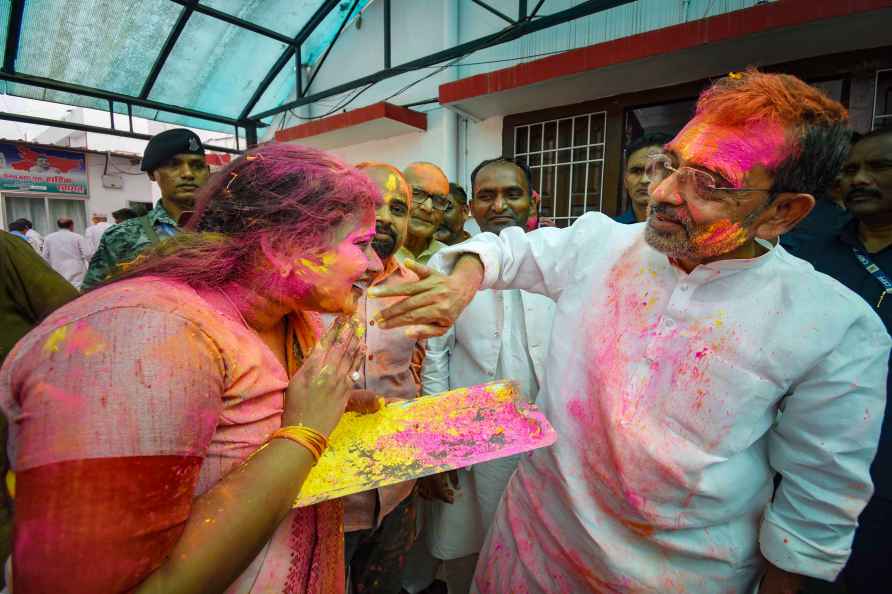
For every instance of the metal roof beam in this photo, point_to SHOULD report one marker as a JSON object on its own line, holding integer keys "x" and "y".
{"x": 330, "y": 45}
{"x": 171, "y": 41}
{"x": 15, "y": 117}
{"x": 55, "y": 85}
{"x": 509, "y": 34}
{"x": 536, "y": 9}
{"x": 498, "y": 13}
{"x": 290, "y": 51}
{"x": 13, "y": 31}
{"x": 315, "y": 20}
{"x": 234, "y": 20}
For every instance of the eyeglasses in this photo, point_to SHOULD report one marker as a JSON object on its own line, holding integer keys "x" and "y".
{"x": 419, "y": 196}
{"x": 703, "y": 184}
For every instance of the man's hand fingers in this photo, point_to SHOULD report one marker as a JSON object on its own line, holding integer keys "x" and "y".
{"x": 418, "y": 268}
{"x": 422, "y": 315}
{"x": 403, "y": 307}
{"x": 400, "y": 290}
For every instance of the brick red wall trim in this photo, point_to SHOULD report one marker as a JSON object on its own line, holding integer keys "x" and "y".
{"x": 354, "y": 118}
{"x": 729, "y": 26}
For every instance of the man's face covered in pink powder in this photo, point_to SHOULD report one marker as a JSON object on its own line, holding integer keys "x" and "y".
{"x": 688, "y": 219}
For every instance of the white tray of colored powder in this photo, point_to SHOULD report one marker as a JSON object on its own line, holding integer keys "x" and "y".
{"x": 427, "y": 435}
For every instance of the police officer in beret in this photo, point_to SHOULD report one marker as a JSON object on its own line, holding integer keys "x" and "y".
{"x": 173, "y": 159}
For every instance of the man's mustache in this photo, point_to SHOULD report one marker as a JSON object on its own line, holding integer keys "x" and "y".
{"x": 863, "y": 192}
{"x": 672, "y": 213}
{"x": 386, "y": 230}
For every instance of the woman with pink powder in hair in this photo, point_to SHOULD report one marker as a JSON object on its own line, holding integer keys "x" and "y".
{"x": 162, "y": 425}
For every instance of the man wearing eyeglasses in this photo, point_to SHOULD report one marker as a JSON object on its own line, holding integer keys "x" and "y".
{"x": 430, "y": 188}
{"x": 691, "y": 362}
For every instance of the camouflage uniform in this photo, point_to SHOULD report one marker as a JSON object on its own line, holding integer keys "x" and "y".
{"x": 125, "y": 241}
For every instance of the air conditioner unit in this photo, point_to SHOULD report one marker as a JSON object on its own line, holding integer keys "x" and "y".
{"x": 114, "y": 182}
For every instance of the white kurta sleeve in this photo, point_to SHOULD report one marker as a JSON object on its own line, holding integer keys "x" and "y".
{"x": 823, "y": 445}
{"x": 435, "y": 373}
{"x": 542, "y": 261}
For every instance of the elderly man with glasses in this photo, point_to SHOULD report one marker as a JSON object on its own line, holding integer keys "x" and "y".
{"x": 692, "y": 360}
{"x": 430, "y": 191}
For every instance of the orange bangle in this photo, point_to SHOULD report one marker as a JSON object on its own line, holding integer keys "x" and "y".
{"x": 309, "y": 438}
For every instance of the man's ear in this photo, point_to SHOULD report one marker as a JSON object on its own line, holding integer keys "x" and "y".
{"x": 151, "y": 175}
{"x": 787, "y": 210}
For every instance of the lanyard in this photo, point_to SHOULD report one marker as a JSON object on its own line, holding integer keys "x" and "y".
{"x": 875, "y": 271}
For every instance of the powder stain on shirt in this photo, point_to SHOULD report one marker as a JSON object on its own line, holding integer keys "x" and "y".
{"x": 56, "y": 338}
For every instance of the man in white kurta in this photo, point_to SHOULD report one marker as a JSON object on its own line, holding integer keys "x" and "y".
{"x": 93, "y": 233}
{"x": 690, "y": 362}
{"x": 501, "y": 334}
{"x": 67, "y": 252}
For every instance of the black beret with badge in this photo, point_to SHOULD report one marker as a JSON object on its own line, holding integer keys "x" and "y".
{"x": 165, "y": 145}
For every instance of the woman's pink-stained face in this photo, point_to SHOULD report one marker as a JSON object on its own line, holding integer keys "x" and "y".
{"x": 327, "y": 279}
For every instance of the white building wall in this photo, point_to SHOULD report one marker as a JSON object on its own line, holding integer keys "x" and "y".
{"x": 136, "y": 185}
{"x": 422, "y": 27}
{"x": 473, "y": 143}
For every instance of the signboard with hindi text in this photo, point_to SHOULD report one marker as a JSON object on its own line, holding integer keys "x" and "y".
{"x": 27, "y": 168}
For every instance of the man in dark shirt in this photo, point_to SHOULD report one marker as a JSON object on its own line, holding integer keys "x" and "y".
{"x": 860, "y": 257}
{"x": 635, "y": 179}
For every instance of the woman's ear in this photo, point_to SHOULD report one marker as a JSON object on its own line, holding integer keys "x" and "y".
{"x": 282, "y": 265}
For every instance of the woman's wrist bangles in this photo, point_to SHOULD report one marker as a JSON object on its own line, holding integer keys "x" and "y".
{"x": 309, "y": 438}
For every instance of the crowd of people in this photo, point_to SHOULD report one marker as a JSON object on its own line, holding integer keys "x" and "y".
{"x": 714, "y": 362}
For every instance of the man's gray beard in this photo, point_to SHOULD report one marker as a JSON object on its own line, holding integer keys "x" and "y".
{"x": 671, "y": 246}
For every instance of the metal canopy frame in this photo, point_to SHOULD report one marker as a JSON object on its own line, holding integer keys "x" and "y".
{"x": 526, "y": 22}
{"x": 524, "y": 25}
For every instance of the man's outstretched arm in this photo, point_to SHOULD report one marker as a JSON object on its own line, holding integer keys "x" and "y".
{"x": 544, "y": 261}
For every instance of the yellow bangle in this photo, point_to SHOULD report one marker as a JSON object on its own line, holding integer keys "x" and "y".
{"x": 311, "y": 439}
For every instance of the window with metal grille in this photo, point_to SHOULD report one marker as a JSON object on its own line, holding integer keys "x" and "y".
{"x": 566, "y": 157}
{"x": 882, "y": 103}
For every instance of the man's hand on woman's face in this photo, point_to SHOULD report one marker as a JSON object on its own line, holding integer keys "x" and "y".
{"x": 431, "y": 304}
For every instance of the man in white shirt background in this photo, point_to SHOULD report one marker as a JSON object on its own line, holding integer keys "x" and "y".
{"x": 94, "y": 232}
{"x": 691, "y": 360}
{"x": 67, "y": 252}
{"x": 33, "y": 237}
{"x": 501, "y": 334}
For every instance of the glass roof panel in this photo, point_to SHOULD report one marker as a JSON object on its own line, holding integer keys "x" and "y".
{"x": 280, "y": 90}
{"x": 323, "y": 35}
{"x": 215, "y": 66}
{"x": 283, "y": 87}
{"x": 33, "y": 92}
{"x": 103, "y": 44}
{"x": 282, "y": 16}
{"x": 181, "y": 120}
{"x": 4, "y": 20}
